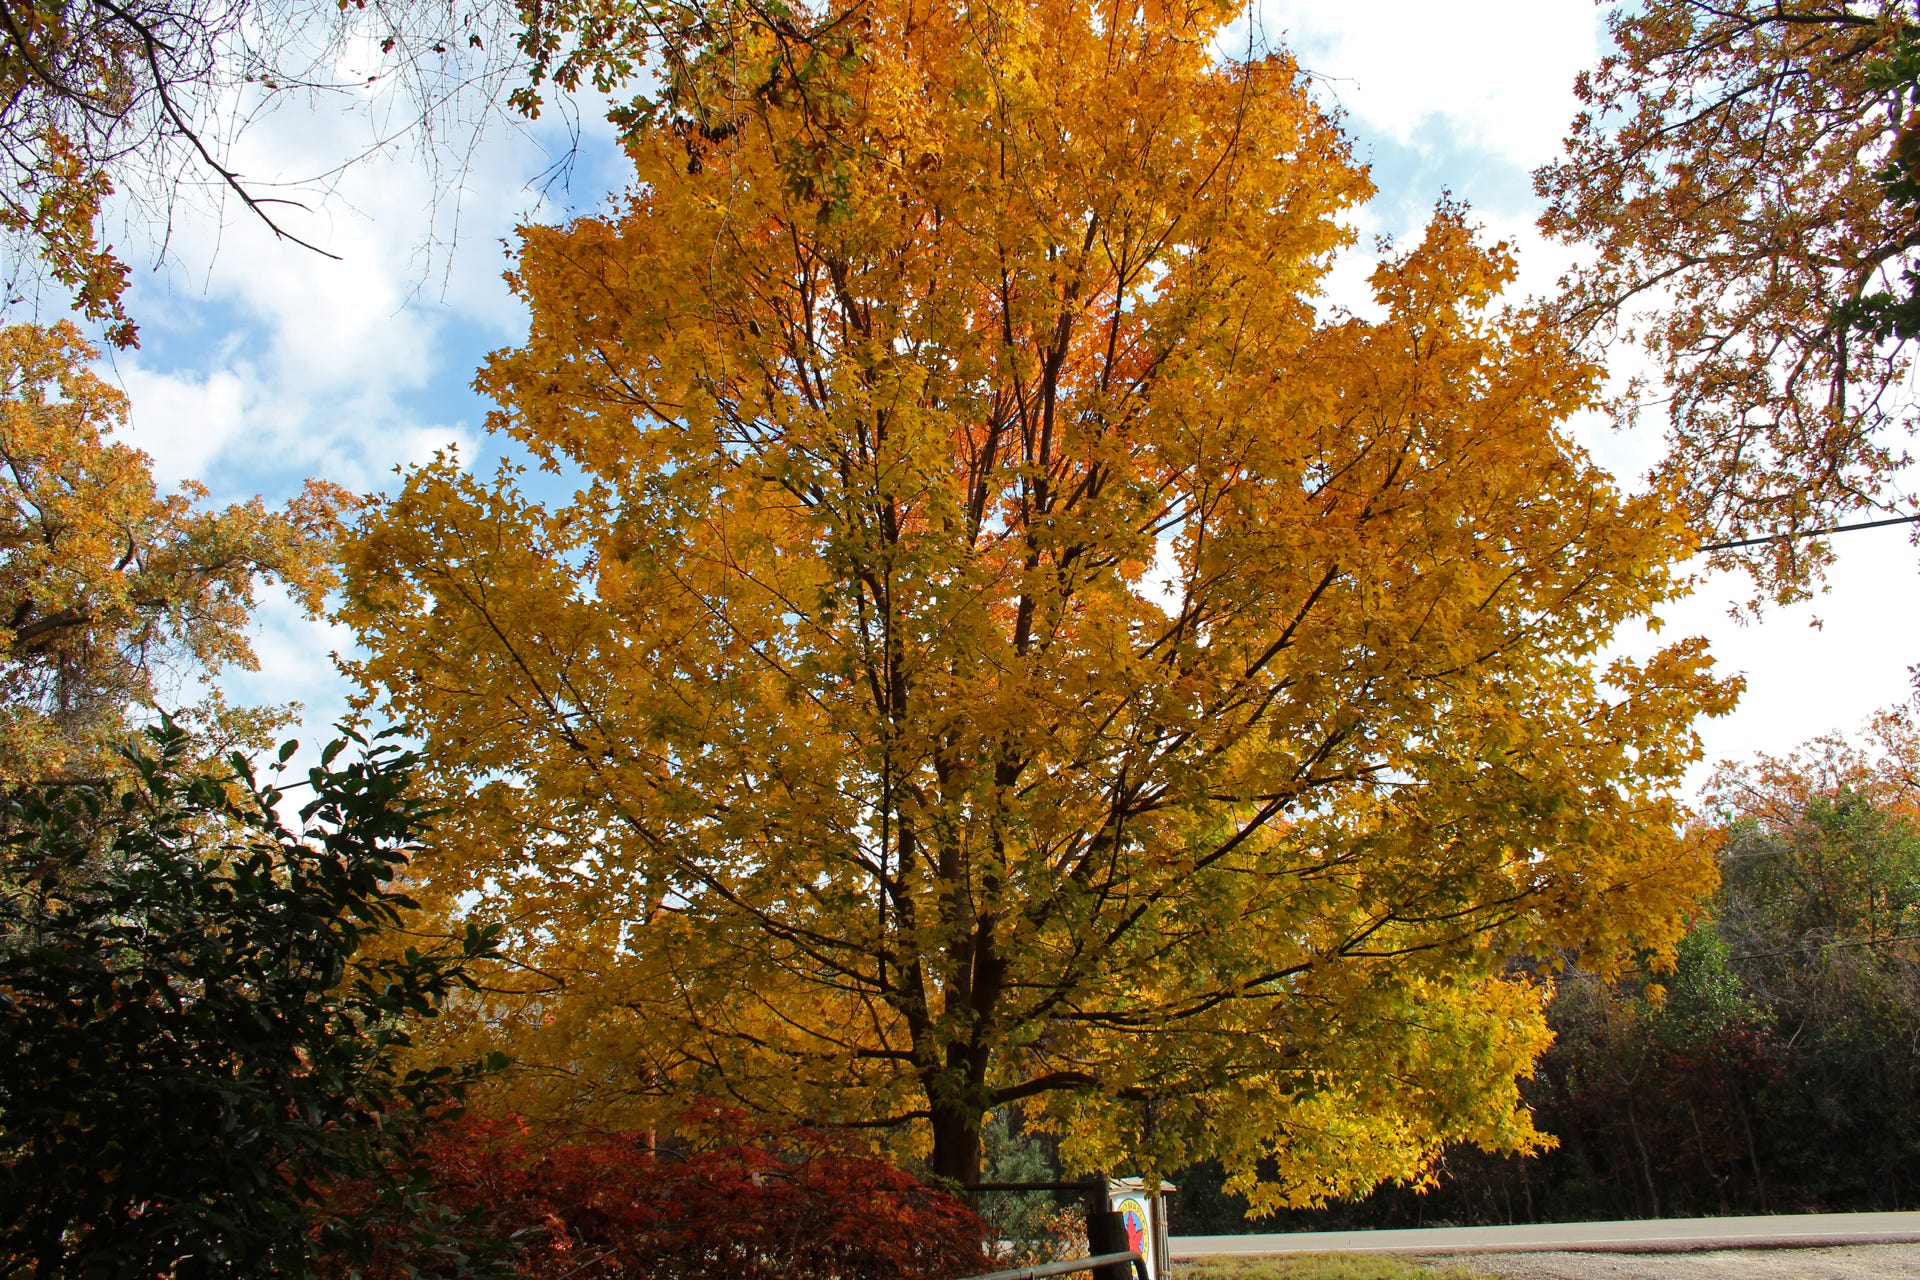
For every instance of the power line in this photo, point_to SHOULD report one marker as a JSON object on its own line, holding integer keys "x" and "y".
{"x": 1809, "y": 533}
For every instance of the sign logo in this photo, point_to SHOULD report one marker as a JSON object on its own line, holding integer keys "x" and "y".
{"x": 1134, "y": 1214}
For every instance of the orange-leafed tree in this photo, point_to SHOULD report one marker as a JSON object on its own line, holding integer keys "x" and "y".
{"x": 1008, "y": 641}
{"x": 115, "y": 597}
{"x": 1729, "y": 169}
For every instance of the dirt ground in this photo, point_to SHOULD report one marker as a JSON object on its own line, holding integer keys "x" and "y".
{"x": 1847, "y": 1262}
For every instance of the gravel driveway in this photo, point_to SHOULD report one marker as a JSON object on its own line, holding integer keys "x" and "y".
{"x": 1846, "y": 1262}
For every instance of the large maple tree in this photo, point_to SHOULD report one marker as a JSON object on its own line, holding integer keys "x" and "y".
{"x": 997, "y": 635}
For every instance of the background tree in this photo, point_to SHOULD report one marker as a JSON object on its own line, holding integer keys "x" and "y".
{"x": 1006, "y": 645}
{"x": 106, "y": 586}
{"x": 1726, "y": 168}
{"x": 1026, "y": 1227}
{"x": 1776, "y": 1069}
{"x": 1892, "y": 311}
{"x": 201, "y": 1047}
{"x": 1821, "y": 912}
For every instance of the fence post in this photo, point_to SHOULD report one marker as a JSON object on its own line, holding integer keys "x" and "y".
{"x": 1106, "y": 1232}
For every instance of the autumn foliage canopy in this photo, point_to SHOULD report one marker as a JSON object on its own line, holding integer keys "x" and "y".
{"x": 994, "y": 633}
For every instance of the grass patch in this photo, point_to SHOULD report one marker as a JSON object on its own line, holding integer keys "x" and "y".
{"x": 1320, "y": 1266}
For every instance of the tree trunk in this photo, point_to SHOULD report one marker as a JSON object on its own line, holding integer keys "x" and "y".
{"x": 1646, "y": 1163}
{"x": 1753, "y": 1152}
{"x": 956, "y": 1143}
{"x": 1706, "y": 1159}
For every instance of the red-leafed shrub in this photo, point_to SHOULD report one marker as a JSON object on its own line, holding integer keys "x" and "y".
{"x": 791, "y": 1205}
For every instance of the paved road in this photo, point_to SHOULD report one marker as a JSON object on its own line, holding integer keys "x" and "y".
{"x": 1847, "y": 1262}
{"x": 1658, "y": 1235}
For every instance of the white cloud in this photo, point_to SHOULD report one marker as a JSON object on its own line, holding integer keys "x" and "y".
{"x": 1492, "y": 74}
{"x": 240, "y": 432}
{"x": 186, "y": 420}
{"x": 296, "y": 659}
{"x": 298, "y": 363}
{"x": 1823, "y": 665}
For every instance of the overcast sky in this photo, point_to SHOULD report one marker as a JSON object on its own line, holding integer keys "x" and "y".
{"x": 262, "y": 363}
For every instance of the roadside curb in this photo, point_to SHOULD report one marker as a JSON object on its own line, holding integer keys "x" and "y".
{"x": 1668, "y": 1235}
{"x": 1729, "y": 1244}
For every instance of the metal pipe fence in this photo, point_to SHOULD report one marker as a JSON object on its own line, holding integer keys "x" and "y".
{"x": 1070, "y": 1266}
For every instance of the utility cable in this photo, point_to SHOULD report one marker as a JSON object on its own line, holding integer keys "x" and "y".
{"x": 1809, "y": 533}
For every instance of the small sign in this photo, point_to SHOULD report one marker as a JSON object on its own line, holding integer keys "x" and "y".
{"x": 1142, "y": 1215}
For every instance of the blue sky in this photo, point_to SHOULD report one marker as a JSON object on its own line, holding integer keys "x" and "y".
{"x": 262, "y": 363}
